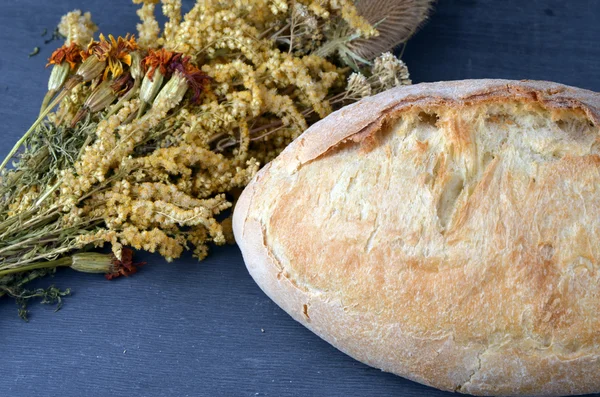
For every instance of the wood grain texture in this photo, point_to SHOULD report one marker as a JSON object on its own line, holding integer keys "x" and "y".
{"x": 194, "y": 329}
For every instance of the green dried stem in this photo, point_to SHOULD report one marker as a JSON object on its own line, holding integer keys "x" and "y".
{"x": 14, "y": 286}
{"x": 31, "y": 129}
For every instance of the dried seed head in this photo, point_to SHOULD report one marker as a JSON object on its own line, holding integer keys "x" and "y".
{"x": 358, "y": 86}
{"x": 174, "y": 90}
{"x": 91, "y": 262}
{"x": 102, "y": 96}
{"x": 58, "y": 76}
{"x": 91, "y": 68}
{"x": 136, "y": 65}
{"x": 390, "y": 71}
{"x": 151, "y": 85}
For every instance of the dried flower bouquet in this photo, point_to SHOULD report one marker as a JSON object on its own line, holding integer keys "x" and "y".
{"x": 145, "y": 142}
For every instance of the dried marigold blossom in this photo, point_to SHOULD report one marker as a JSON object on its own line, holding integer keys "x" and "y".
{"x": 115, "y": 52}
{"x": 125, "y": 266}
{"x": 196, "y": 79}
{"x": 67, "y": 53}
{"x": 157, "y": 60}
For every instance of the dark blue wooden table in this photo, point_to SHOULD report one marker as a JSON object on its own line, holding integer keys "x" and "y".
{"x": 196, "y": 329}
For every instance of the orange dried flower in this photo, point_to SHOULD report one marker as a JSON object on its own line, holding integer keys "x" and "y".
{"x": 115, "y": 52}
{"x": 157, "y": 59}
{"x": 125, "y": 266}
{"x": 70, "y": 54}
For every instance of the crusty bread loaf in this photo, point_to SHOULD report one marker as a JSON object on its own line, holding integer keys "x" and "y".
{"x": 448, "y": 233}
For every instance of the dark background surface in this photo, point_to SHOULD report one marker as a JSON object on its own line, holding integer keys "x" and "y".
{"x": 190, "y": 328}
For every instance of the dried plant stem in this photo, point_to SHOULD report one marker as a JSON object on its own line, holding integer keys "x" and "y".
{"x": 47, "y": 98}
{"x": 48, "y": 193}
{"x": 37, "y": 122}
{"x": 4, "y": 289}
{"x": 66, "y": 261}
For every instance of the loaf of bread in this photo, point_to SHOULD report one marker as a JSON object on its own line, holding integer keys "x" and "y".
{"x": 448, "y": 233}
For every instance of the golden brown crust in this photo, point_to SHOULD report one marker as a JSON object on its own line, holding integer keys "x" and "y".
{"x": 460, "y": 252}
{"x": 369, "y": 114}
